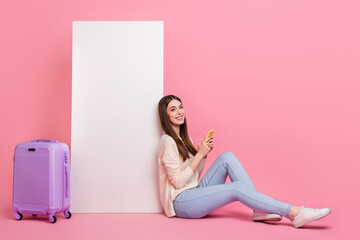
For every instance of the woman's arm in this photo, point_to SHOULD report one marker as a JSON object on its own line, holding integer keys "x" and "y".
{"x": 201, "y": 165}
{"x": 203, "y": 150}
{"x": 196, "y": 161}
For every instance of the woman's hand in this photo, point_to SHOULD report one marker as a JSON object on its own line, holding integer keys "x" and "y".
{"x": 205, "y": 146}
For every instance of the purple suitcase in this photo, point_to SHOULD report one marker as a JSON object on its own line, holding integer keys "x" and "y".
{"x": 41, "y": 179}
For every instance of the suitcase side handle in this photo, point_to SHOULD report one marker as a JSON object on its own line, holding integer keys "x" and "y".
{"x": 67, "y": 184}
{"x": 44, "y": 140}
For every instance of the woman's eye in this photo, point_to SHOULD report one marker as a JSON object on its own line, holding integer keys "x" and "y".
{"x": 174, "y": 109}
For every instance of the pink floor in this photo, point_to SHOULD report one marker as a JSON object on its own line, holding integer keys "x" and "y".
{"x": 231, "y": 222}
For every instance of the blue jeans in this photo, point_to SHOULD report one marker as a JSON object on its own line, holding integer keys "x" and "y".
{"x": 212, "y": 193}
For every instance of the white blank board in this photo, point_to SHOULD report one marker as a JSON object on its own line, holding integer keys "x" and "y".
{"x": 117, "y": 81}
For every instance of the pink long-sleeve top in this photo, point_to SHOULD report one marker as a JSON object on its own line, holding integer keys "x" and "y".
{"x": 175, "y": 175}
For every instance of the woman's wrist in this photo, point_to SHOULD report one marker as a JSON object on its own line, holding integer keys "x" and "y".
{"x": 195, "y": 162}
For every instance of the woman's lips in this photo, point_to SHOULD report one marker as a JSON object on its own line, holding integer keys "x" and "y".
{"x": 179, "y": 118}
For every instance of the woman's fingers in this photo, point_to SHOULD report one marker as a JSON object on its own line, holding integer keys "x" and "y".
{"x": 207, "y": 144}
{"x": 210, "y": 145}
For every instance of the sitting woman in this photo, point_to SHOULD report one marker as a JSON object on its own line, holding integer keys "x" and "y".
{"x": 180, "y": 166}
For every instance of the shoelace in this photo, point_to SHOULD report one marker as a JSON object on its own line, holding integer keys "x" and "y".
{"x": 306, "y": 209}
{"x": 311, "y": 209}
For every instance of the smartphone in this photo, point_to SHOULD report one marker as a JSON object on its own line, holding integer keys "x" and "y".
{"x": 210, "y": 133}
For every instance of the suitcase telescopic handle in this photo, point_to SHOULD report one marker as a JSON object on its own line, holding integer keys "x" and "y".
{"x": 45, "y": 140}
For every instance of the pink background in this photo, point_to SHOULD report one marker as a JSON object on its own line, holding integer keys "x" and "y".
{"x": 277, "y": 80}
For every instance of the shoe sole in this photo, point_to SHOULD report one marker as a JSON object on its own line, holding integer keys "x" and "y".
{"x": 267, "y": 219}
{"x": 315, "y": 219}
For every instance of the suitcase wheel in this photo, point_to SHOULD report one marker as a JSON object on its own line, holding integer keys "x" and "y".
{"x": 18, "y": 216}
{"x": 52, "y": 218}
{"x": 34, "y": 215}
{"x": 67, "y": 214}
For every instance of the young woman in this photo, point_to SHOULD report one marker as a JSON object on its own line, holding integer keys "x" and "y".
{"x": 180, "y": 166}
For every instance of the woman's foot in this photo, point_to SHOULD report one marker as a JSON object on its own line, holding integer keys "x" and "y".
{"x": 307, "y": 215}
{"x": 264, "y": 216}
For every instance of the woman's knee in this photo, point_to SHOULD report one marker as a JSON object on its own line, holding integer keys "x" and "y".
{"x": 227, "y": 154}
{"x": 228, "y": 157}
{"x": 240, "y": 189}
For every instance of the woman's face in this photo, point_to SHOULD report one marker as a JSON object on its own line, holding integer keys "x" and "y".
{"x": 176, "y": 113}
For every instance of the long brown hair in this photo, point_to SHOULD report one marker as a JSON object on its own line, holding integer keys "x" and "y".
{"x": 184, "y": 148}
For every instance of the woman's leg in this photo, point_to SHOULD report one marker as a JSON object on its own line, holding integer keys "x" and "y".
{"x": 200, "y": 201}
{"x": 226, "y": 164}
{"x": 212, "y": 193}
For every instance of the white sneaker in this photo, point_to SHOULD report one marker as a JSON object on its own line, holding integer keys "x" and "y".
{"x": 264, "y": 216}
{"x": 307, "y": 215}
